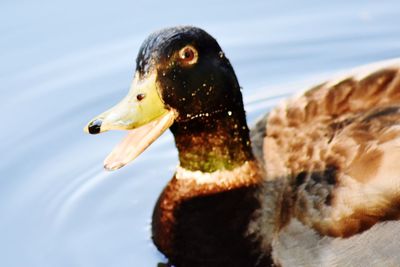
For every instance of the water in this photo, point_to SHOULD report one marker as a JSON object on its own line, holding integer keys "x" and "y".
{"x": 63, "y": 63}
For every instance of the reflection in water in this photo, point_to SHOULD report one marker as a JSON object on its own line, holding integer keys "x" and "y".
{"x": 58, "y": 207}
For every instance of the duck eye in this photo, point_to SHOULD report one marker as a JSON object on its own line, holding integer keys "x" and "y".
{"x": 188, "y": 55}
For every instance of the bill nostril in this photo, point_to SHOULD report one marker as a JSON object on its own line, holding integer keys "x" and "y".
{"x": 94, "y": 127}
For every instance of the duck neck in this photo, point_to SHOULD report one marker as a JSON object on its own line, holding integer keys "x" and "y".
{"x": 202, "y": 217}
{"x": 211, "y": 142}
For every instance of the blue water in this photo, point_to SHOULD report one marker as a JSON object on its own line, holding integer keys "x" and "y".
{"x": 61, "y": 63}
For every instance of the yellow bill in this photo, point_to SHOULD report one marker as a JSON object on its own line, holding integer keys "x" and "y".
{"x": 143, "y": 113}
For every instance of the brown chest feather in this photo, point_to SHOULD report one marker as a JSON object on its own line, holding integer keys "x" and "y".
{"x": 195, "y": 226}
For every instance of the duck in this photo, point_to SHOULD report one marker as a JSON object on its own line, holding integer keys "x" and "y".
{"x": 315, "y": 182}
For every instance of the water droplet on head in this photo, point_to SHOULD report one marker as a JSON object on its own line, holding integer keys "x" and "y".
{"x": 221, "y": 54}
{"x": 229, "y": 113}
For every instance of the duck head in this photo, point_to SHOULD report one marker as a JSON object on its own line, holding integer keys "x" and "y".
{"x": 181, "y": 76}
{"x": 184, "y": 82}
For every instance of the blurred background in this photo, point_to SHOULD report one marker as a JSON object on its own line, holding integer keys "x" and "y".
{"x": 62, "y": 62}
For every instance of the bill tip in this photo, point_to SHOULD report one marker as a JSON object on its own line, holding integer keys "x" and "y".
{"x": 113, "y": 166}
{"x": 94, "y": 127}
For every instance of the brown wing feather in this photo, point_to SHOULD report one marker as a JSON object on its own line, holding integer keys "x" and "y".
{"x": 339, "y": 144}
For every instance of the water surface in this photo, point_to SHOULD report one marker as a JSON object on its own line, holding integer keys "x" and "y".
{"x": 64, "y": 62}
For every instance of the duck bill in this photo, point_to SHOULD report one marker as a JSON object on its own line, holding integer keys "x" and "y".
{"x": 143, "y": 113}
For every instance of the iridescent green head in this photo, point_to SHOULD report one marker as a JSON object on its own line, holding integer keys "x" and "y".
{"x": 184, "y": 81}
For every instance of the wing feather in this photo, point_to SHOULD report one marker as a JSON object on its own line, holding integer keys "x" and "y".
{"x": 351, "y": 126}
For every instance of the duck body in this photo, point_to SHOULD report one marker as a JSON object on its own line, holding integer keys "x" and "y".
{"x": 338, "y": 149}
{"x": 315, "y": 183}
{"x": 218, "y": 219}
